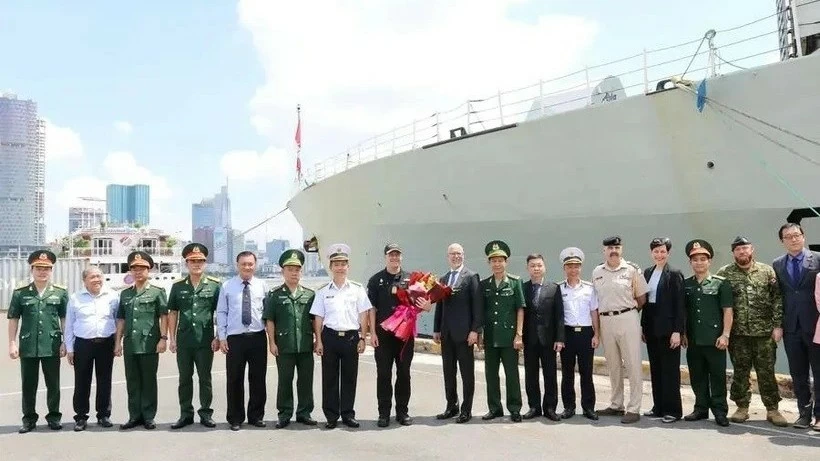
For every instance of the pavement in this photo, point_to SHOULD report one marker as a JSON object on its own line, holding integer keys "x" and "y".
{"x": 430, "y": 439}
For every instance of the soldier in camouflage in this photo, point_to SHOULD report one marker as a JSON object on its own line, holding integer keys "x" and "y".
{"x": 758, "y": 316}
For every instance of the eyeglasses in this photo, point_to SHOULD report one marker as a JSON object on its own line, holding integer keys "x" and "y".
{"x": 792, "y": 236}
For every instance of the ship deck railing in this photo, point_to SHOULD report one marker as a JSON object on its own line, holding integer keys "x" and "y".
{"x": 737, "y": 48}
{"x": 110, "y": 252}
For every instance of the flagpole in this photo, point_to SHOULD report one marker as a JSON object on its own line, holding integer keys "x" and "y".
{"x": 298, "y": 139}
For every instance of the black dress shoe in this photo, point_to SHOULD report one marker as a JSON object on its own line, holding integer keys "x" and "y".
{"x": 696, "y": 416}
{"x": 490, "y": 415}
{"x": 463, "y": 418}
{"x": 803, "y": 422}
{"x": 235, "y": 427}
{"x": 404, "y": 420}
{"x": 590, "y": 414}
{"x": 532, "y": 414}
{"x": 54, "y": 425}
{"x": 551, "y": 415}
{"x": 383, "y": 421}
{"x": 448, "y": 413}
{"x": 306, "y": 420}
{"x": 568, "y": 413}
{"x": 207, "y": 421}
{"x": 351, "y": 422}
{"x": 515, "y": 417}
{"x": 259, "y": 423}
{"x": 80, "y": 425}
{"x": 282, "y": 423}
{"x": 26, "y": 428}
{"x": 150, "y": 425}
{"x": 331, "y": 424}
{"x": 182, "y": 422}
{"x": 130, "y": 424}
{"x": 722, "y": 420}
{"x": 104, "y": 422}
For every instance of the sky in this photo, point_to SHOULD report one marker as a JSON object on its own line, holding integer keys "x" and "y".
{"x": 187, "y": 96}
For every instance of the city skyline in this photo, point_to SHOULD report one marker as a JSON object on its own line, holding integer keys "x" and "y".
{"x": 128, "y": 204}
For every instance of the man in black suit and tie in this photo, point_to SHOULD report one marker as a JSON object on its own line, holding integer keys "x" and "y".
{"x": 457, "y": 321}
{"x": 543, "y": 338}
{"x": 796, "y": 274}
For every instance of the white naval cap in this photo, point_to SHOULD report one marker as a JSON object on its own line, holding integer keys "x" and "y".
{"x": 338, "y": 252}
{"x": 571, "y": 255}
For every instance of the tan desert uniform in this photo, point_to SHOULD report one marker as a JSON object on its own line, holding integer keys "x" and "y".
{"x": 621, "y": 329}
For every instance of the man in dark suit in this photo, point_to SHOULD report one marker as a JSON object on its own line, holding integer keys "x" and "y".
{"x": 543, "y": 338}
{"x": 662, "y": 325}
{"x": 796, "y": 274}
{"x": 456, "y": 324}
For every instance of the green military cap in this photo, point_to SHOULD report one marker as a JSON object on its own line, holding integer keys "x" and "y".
{"x": 740, "y": 241}
{"x": 140, "y": 258}
{"x": 195, "y": 251}
{"x": 497, "y": 248}
{"x": 292, "y": 258}
{"x": 42, "y": 258}
{"x": 699, "y": 246}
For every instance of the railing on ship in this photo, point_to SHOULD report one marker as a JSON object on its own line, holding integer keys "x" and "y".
{"x": 740, "y": 47}
{"x": 100, "y": 252}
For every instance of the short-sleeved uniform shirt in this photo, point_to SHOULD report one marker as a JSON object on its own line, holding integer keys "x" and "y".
{"x": 617, "y": 288}
{"x": 340, "y": 307}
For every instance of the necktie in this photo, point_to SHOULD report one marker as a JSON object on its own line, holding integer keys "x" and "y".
{"x": 795, "y": 271}
{"x": 536, "y": 288}
{"x": 452, "y": 278}
{"x": 246, "y": 304}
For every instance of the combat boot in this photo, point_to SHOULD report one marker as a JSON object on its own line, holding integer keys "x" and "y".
{"x": 740, "y": 415}
{"x": 774, "y": 417}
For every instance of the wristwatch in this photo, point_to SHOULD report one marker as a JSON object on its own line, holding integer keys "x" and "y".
{"x": 725, "y": 335}
{"x": 163, "y": 337}
{"x": 361, "y": 338}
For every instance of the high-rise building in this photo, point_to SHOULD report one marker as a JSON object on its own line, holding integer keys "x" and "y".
{"x": 22, "y": 175}
{"x": 238, "y": 243}
{"x": 212, "y": 216}
{"x": 275, "y": 248}
{"x": 128, "y": 205}
{"x": 251, "y": 245}
{"x": 84, "y": 217}
{"x": 205, "y": 236}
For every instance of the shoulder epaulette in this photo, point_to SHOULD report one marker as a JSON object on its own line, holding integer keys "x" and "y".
{"x": 488, "y": 279}
{"x": 181, "y": 280}
{"x": 213, "y": 279}
{"x": 355, "y": 283}
{"x": 634, "y": 265}
{"x": 584, "y": 282}
{"x": 513, "y": 276}
{"x": 59, "y": 286}
{"x": 22, "y": 285}
{"x": 325, "y": 285}
{"x": 307, "y": 288}
{"x": 717, "y": 277}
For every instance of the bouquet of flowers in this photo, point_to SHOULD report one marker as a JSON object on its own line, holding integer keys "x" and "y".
{"x": 420, "y": 285}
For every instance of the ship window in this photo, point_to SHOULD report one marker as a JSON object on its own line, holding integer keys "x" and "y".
{"x": 102, "y": 247}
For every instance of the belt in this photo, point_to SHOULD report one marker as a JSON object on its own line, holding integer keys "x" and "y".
{"x": 249, "y": 333}
{"x": 97, "y": 340}
{"x": 577, "y": 329}
{"x": 340, "y": 332}
{"x": 609, "y": 313}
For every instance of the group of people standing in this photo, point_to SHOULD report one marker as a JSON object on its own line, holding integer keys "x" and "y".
{"x": 745, "y": 308}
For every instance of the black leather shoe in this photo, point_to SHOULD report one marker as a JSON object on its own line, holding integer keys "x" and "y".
{"x": 568, "y": 413}
{"x": 722, "y": 420}
{"x": 207, "y": 421}
{"x": 235, "y": 427}
{"x": 589, "y": 414}
{"x": 150, "y": 425}
{"x": 80, "y": 425}
{"x": 490, "y": 415}
{"x": 54, "y": 425}
{"x": 26, "y": 428}
{"x": 331, "y": 424}
{"x": 448, "y": 413}
{"x": 463, "y": 418}
{"x": 351, "y": 422}
{"x": 696, "y": 416}
{"x": 383, "y": 421}
{"x": 803, "y": 422}
{"x": 182, "y": 422}
{"x": 130, "y": 424}
{"x": 105, "y": 421}
{"x": 515, "y": 417}
{"x": 404, "y": 420}
{"x": 550, "y": 415}
{"x": 282, "y": 423}
{"x": 259, "y": 423}
{"x": 306, "y": 420}
{"x": 532, "y": 413}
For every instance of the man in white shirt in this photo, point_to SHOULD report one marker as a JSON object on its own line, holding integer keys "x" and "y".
{"x": 241, "y": 333}
{"x": 90, "y": 324}
{"x": 340, "y": 311}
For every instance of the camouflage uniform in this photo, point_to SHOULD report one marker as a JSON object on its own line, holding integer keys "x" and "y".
{"x": 758, "y": 309}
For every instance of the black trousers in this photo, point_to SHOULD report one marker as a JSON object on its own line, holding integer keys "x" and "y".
{"x": 578, "y": 346}
{"x": 664, "y": 369}
{"x": 93, "y": 355}
{"x": 392, "y": 350}
{"x": 537, "y": 355}
{"x": 250, "y": 349}
{"x": 340, "y": 369}
{"x": 803, "y": 355}
{"x": 455, "y": 356}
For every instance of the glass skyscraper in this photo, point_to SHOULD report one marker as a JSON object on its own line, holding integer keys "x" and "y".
{"x": 211, "y": 222}
{"x": 128, "y": 205}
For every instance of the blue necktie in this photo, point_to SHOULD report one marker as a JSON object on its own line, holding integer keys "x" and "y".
{"x": 452, "y": 278}
{"x": 795, "y": 271}
{"x": 536, "y": 288}
{"x": 246, "y": 304}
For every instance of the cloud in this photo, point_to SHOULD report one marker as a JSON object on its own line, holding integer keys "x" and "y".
{"x": 121, "y": 168}
{"x": 123, "y": 127}
{"x": 62, "y": 142}
{"x": 249, "y": 165}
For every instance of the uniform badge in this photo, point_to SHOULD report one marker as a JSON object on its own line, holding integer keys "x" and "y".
{"x": 196, "y": 250}
{"x": 696, "y": 245}
{"x": 394, "y": 290}
{"x": 43, "y": 256}
{"x": 137, "y": 257}
{"x": 495, "y": 246}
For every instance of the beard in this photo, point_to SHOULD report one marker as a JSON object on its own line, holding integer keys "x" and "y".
{"x": 743, "y": 260}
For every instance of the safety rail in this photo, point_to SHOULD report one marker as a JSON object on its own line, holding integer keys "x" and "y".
{"x": 745, "y": 46}
{"x": 87, "y": 252}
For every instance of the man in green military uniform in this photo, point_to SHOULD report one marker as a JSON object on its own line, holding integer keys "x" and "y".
{"x": 191, "y": 309}
{"x": 290, "y": 338}
{"x": 141, "y": 337}
{"x": 708, "y": 300}
{"x": 504, "y": 313}
{"x": 38, "y": 309}
{"x": 758, "y": 316}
